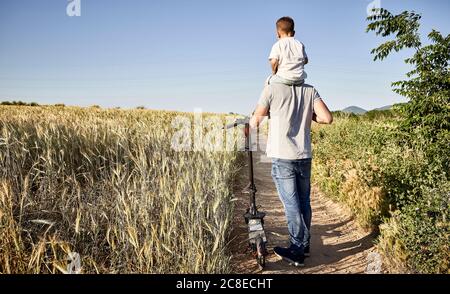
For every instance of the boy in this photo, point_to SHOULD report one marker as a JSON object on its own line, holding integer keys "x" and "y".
{"x": 288, "y": 56}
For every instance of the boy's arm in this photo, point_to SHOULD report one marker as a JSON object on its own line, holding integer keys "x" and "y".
{"x": 274, "y": 65}
{"x": 305, "y": 55}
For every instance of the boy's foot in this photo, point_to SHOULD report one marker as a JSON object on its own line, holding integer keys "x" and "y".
{"x": 290, "y": 256}
{"x": 307, "y": 251}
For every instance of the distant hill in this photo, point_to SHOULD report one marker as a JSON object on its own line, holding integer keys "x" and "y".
{"x": 354, "y": 109}
{"x": 359, "y": 110}
{"x": 387, "y": 107}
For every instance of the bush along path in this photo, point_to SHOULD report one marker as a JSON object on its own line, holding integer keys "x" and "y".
{"x": 338, "y": 244}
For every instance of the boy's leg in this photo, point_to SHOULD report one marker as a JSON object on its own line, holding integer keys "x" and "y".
{"x": 268, "y": 80}
{"x": 276, "y": 79}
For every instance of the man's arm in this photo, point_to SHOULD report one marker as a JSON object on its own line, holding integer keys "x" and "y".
{"x": 258, "y": 116}
{"x": 322, "y": 114}
{"x": 274, "y": 65}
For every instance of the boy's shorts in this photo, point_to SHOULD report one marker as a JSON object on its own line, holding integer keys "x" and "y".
{"x": 275, "y": 79}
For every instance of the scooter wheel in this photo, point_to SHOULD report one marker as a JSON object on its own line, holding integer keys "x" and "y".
{"x": 261, "y": 253}
{"x": 261, "y": 261}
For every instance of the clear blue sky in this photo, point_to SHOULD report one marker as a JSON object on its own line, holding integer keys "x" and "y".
{"x": 181, "y": 55}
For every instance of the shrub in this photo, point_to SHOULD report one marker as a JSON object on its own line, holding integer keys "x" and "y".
{"x": 416, "y": 239}
{"x": 390, "y": 187}
{"x": 18, "y": 103}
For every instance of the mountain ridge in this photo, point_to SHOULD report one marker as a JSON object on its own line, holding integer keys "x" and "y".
{"x": 358, "y": 110}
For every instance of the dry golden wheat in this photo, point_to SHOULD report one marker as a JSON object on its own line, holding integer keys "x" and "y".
{"x": 107, "y": 185}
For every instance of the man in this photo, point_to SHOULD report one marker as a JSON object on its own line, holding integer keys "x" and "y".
{"x": 292, "y": 110}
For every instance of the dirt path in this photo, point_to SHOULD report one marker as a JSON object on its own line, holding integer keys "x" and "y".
{"x": 338, "y": 245}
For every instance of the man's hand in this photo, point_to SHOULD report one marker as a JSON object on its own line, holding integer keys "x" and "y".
{"x": 246, "y": 130}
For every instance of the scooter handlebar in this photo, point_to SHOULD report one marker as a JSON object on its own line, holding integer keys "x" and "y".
{"x": 238, "y": 122}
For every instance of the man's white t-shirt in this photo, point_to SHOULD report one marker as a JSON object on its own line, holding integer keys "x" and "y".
{"x": 291, "y": 113}
{"x": 291, "y": 56}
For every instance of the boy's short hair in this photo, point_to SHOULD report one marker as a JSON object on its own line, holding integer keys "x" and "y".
{"x": 286, "y": 24}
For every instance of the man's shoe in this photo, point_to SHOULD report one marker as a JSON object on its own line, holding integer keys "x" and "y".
{"x": 290, "y": 256}
{"x": 307, "y": 252}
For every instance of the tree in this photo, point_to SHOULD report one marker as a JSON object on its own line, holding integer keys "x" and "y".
{"x": 18, "y": 103}
{"x": 426, "y": 117}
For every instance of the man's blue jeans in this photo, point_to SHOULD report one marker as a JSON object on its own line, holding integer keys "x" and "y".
{"x": 293, "y": 181}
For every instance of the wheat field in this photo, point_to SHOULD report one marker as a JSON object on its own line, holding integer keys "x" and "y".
{"x": 107, "y": 185}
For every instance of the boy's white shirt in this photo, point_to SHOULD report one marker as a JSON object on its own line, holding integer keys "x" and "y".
{"x": 291, "y": 56}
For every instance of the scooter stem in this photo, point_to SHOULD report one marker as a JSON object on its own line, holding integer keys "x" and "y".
{"x": 252, "y": 187}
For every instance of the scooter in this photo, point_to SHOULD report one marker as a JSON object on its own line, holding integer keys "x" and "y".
{"x": 253, "y": 218}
